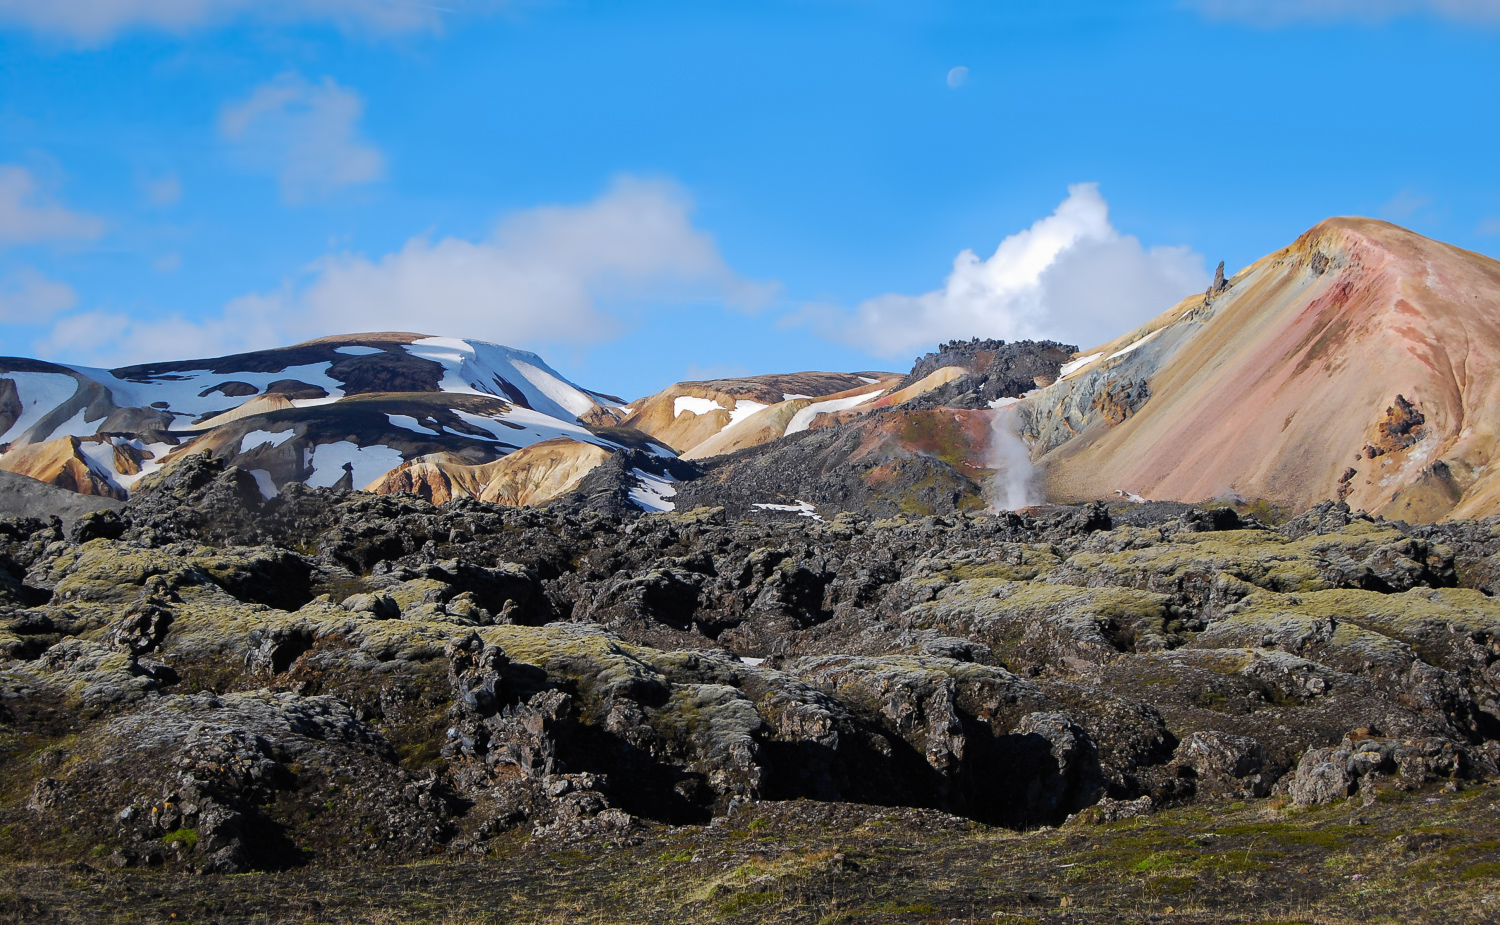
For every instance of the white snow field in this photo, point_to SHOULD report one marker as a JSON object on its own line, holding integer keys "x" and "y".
{"x": 259, "y": 438}
{"x": 696, "y": 405}
{"x": 39, "y": 394}
{"x": 407, "y": 422}
{"x": 369, "y": 462}
{"x": 803, "y": 419}
{"x": 475, "y": 367}
{"x": 801, "y": 509}
{"x": 652, "y": 492}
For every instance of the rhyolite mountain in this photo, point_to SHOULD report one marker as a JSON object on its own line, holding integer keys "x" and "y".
{"x": 764, "y": 636}
{"x": 1362, "y": 363}
{"x": 1357, "y": 364}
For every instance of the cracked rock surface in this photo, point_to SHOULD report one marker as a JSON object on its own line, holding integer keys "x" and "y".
{"x": 215, "y": 682}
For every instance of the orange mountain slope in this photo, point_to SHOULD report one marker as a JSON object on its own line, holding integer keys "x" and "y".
{"x": 1362, "y": 363}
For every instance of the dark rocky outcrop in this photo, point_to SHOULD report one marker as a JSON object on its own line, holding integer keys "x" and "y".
{"x": 219, "y": 682}
{"x": 996, "y": 370}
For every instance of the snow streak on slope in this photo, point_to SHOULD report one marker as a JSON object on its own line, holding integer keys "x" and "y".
{"x": 39, "y": 393}
{"x": 258, "y": 438}
{"x": 803, "y": 419}
{"x": 694, "y": 404}
{"x": 182, "y": 391}
{"x": 523, "y": 427}
{"x": 479, "y": 368}
{"x": 653, "y": 491}
{"x": 367, "y": 462}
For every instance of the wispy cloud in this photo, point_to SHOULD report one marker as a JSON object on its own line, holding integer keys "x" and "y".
{"x": 1272, "y": 13}
{"x": 1489, "y": 226}
{"x": 27, "y": 297}
{"x": 550, "y": 274}
{"x": 1070, "y": 276}
{"x": 96, "y": 22}
{"x": 305, "y": 133}
{"x": 1405, "y": 206}
{"x": 28, "y": 214}
{"x": 165, "y": 190}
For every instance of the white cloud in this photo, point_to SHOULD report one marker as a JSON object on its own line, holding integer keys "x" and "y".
{"x": 26, "y": 296}
{"x": 957, "y": 76}
{"x": 163, "y": 191}
{"x": 28, "y": 215}
{"x": 1284, "y": 12}
{"x": 1071, "y": 276}
{"x": 545, "y": 275}
{"x": 1489, "y": 226}
{"x": 104, "y": 338}
{"x": 305, "y": 133}
{"x": 94, "y": 22}
{"x": 1405, "y": 206}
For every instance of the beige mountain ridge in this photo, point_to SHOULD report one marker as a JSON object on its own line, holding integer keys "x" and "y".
{"x": 1361, "y": 363}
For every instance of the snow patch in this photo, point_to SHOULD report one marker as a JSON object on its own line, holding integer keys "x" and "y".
{"x": 474, "y": 367}
{"x": 1120, "y": 353}
{"x": 259, "y": 438}
{"x": 75, "y": 426}
{"x": 999, "y": 403}
{"x": 659, "y": 450}
{"x": 801, "y": 509}
{"x": 157, "y": 452}
{"x": 803, "y": 419}
{"x": 367, "y": 462}
{"x": 100, "y": 458}
{"x": 407, "y": 422}
{"x": 39, "y": 394}
{"x": 652, "y": 491}
{"x": 1074, "y": 366}
{"x": 268, "y": 489}
{"x": 743, "y": 408}
{"x": 314, "y": 402}
{"x": 556, "y": 388}
{"x": 354, "y": 350}
{"x": 695, "y": 405}
{"x": 534, "y": 428}
{"x": 179, "y": 389}
{"x": 792, "y": 396}
{"x": 867, "y": 380}
{"x": 752, "y": 662}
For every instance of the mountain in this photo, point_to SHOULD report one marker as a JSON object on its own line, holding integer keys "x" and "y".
{"x": 1362, "y": 364}
{"x": 336, "y": 411}
{"x": 1358, "y": 364}
{"x": 701, "y": 419}
{"x": 821, "y": 667}
{"x": 439, "y": 418}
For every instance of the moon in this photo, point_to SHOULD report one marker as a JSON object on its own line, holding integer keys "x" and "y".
{"x": 957, "y": 76}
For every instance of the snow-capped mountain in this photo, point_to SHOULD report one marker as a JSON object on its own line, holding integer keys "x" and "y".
{"x": 341, "y": 410}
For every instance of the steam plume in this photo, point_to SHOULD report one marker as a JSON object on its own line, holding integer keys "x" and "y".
{"x": 1015, "y": 484}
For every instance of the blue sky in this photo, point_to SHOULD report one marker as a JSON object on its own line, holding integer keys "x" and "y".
{"x": 652, "y": 191}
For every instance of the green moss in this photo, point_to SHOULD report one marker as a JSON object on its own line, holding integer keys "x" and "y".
{"x": 185, "y": 837}
{"x": 1485, "y": 870}
{"x": 1172, "y": 886}
{"x": 1161, "y": 861}
{"x": 742, "y": 902}
{"x": 1287, "y": 833}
